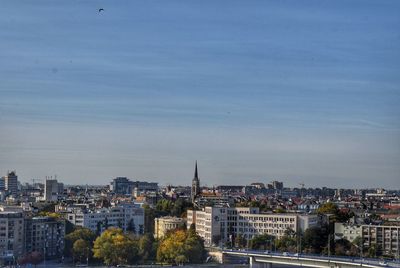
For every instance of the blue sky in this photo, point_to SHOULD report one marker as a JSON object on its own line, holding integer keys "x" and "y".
{"x": 299, "y": 91}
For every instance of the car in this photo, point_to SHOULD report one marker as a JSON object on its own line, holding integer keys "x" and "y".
{"x": 266, "y": 252}
{"x": 285, "y": 253}
{"x": 383, "y": 263}
{"x": 296, "y": 254}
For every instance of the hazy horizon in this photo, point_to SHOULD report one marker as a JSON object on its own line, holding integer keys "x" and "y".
{"x": 297, "y": 91}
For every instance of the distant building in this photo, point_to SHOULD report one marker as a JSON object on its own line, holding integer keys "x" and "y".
{"x": 11, "y": 183}
{"x": 195, "y": 191}
{"x": 52, "y": 190}
{"x": 45, "y": 235}
{"x": 164, "y": 224}
{"x": 121, "y": 185}
{"x": 11, "y": 235}
{"x": 258, "y": 185}
{"x": 222, "y": 224}
{"x": 122, "y": 216}
{"x": 124, "y": 186}
{"x": 278, "y": 185}
{"x": 2, "y": 184}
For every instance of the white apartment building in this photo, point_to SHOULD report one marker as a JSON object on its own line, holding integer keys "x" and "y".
{"x": 120, "y": 216}
{"x": 220, "y": 224}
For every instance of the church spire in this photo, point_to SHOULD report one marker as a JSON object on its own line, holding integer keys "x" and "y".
{"x": 195, "y": 184}
{"x": 196, "y": 174}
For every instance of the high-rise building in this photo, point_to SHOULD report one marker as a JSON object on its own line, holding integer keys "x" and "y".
{"x": 52, "y": 189}
{"x": 11, "y": 183}
{"x": 2, "y": 184}
{"x": 277, "y": 185}
{"x": 195, "y": 185}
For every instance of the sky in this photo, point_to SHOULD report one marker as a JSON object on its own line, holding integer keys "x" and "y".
{"x": 297, "y": 91}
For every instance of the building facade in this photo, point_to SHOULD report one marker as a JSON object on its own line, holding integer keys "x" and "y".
{"x": 383, "y": 237}
{"x": 124, "y": 216}
{"x": 11, "y": 235}
{"x": 222, "y": 224}
{"x": 52, "y": 190}
{"x": 124, "y": 186}
{"x": 164, "y": 224}
{"x": 45, "y": 235}
{"x": 11, "y": 183}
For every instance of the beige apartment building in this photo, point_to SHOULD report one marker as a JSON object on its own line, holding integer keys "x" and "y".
{"x": 164, "y": 224}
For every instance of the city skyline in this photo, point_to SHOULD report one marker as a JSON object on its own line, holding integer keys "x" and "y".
{"x": 298, "y": 92}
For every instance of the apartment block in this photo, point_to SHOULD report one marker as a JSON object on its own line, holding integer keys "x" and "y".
{"x": 221, "y": 224}
{"x": 164, "y": 224}
{"x": 45, "y": 235}
{"x": 120, "y": 216}
{"x": 11, "y": 235}
{"x": 383, "y": 237}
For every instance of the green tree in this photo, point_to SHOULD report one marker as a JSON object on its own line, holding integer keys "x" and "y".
{"x": 315, "y": 239}
{"x": 131, "y": 226}
{"x": 328, "y": 208}
{"x": 240, "y": 241}
{"x": 171, "y": 246}
{"x": 146, "y": 247}
{"x": 286, "y": 243}
{"x": 179, "y": 246}
{"x": 194, "y": 246}
{"x": 149, "y": 216}
{"x": 81, "y": 249}
{"x": 113, "y": 247}
{"x": 263, "y": 242}
{"x": 79, "y": 233}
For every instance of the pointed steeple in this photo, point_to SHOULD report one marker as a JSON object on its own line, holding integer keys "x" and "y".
{"x": 196, "y": 174}
{"x": 195, "y": 184}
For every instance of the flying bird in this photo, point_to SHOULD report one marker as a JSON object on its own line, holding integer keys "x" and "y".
{"x": 101, "y": 9}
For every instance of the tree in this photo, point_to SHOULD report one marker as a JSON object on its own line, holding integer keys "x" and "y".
{"x": 263, "y": 241}
{"x": 315, "y": 239}
{"x": 240, "y": 241}
{"x": 328, "y": 208}
{"x": 113, "y": 247}
{"x": 105, "y": 224}
{"x": 34, "y": 258}
{"x": 81, "y": 249}
{"x": 149, "y": 216}
{"x": 194, "y": 246}
{"x": 98, "y": 228}
{"x": 286, "y": 243}
{"x": 179, "y": 246}
{"x": 80, "y": 233}
{"x": 131, "y": 226}
{"x": 171, "y": 246}
{"x": 146, "y": 247}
